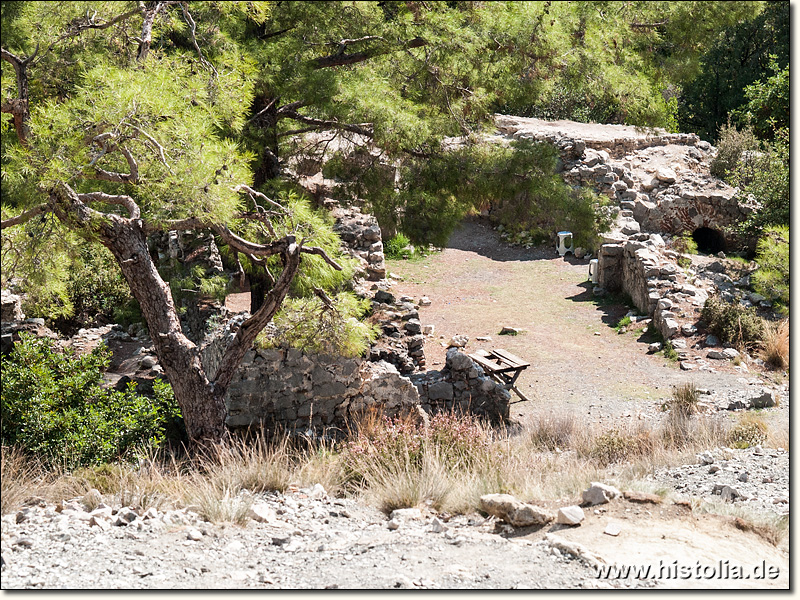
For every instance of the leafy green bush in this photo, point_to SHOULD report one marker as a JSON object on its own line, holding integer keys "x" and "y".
{"x": 685, "y": 244}
{"x": 766, "y": 181}
{"x": 96, "y": 288}
{"x": 733, "y": 323}
{"x": 772, "y": 278}
{"x": 53, "y": 404}
{"x": 732, "y": 146}
{"x": 397, "y": 248}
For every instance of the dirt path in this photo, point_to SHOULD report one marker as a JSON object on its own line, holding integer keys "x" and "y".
{"x": 479, "y": 284}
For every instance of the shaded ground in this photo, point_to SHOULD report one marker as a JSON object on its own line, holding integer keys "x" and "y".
{"x": 579, "y": 362}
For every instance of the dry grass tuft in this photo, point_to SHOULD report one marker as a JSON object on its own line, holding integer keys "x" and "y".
{"x": 775, "y": 345}
{"x": 20, "y": 479}
{"x": 684, "y": 400}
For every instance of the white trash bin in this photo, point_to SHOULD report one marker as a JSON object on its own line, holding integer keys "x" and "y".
{"x": 593, "y": 270}
{"x": 565, "y": 243}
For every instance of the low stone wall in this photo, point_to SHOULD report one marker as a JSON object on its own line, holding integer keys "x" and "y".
{"x": 462, "y": 387}
{"x": 295, "y": 391}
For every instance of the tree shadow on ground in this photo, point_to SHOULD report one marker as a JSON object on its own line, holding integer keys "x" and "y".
{"x": 475, "y": 234}
{"x": 612, "y": 306}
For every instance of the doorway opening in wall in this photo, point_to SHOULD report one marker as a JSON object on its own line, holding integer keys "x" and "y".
{"x": 709, "y": 241}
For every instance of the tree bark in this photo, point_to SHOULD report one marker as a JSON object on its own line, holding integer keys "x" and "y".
{"x": 202, "y": 402}
{"x": 268, "y": 165}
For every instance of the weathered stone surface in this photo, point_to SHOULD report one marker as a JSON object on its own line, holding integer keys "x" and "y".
{"x": 519, "y": 514}
{"x": 599, "y": 493}
{"x": 10, "y": 307}
{"x": 458, "y": 341}
{"x": 570, "y": 515}
{"x": 262, "y": 513}
{"x": 763, "y": 399}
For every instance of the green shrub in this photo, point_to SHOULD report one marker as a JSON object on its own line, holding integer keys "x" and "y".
{"x": 685, "y": 244}
{"x": 765, "y": 179}
{"x": 96, "y": 288}
{"x": 53, "y": 404}
{"x": 733, "y": 144}
{"x": 750, "y": 431}
{"x": 733, "y": 323}
{"x": 397, "y": 248}
{"x": 772, "y": 278}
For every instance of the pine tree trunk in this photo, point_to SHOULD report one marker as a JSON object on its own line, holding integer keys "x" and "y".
{"x": 202, "y": 403}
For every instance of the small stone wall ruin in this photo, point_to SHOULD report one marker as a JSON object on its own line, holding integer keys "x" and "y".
{"x": 294, "y": 391}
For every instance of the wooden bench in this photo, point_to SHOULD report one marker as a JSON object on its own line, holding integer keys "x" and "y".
{"x": 503, "y": 366}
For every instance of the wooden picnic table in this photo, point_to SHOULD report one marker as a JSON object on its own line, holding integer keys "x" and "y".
{"x": 503, "y": 366}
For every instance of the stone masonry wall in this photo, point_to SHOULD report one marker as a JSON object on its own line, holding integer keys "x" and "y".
{"x": 296, "y": 391}
{"x": 463, "y": 387}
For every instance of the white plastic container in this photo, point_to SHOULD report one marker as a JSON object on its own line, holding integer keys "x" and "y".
{"x": 565, "y": 243}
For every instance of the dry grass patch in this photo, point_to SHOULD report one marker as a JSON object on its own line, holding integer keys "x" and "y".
{"x": 21, "y": 478}
{"x": 771, "y": 527}
{"x": 774, "y": 349}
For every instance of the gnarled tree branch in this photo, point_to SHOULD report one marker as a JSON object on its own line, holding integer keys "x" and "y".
{"x": 25, "y": 216}
{"x": 122, "y": 200}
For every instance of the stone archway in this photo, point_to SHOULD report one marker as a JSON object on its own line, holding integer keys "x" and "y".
{"x": 709, "y": 241}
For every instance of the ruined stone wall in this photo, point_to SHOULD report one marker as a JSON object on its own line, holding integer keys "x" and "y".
{"x": 361, "y": 238}
{"x": 462, "y": 387}
{"x": 295, "y": 391}
{"x": 638, "y": 269}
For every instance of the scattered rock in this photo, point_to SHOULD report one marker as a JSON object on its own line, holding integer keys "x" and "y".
{"x": 458, "y": 341}
{"x": 570, "y": 515}
{"x": 599, "y": 493}
{"x": 510, "y": 331}
{"x": 641, "y": 497}
{"x": 613, "y": 528}
{"x": 519, "y": 514}
{"x": 262, "y": 513}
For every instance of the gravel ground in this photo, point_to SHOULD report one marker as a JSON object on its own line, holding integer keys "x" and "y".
{"x": 308, "y": 541}
{"x": 759, "y": 476}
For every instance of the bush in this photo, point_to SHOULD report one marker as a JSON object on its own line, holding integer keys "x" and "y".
{"x": 616, "y": 446}
{"x": 733, "y": 323}
{"x": 765, "y": 180}
{"x": 685, "y": 244}
{"x": 772, "y": 278}
{"x": 732, "y": 145}
{"x": 750, "y": 431}
{"x": 399, "y": 247}
{"x": 684, "y": 400}
{"x": 53, "y": 405}
{"x": 775, "y": 346}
